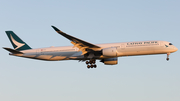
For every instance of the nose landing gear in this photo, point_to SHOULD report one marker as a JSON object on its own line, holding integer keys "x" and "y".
{"x": 167, "y": 56}
{"x": 91, "y": 64}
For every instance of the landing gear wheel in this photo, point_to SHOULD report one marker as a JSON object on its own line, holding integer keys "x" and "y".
{"x": 95, "y": 66}
{"x": 90, "y": 62}
{"x": 92, "y": 66}
{"x": 167, "y": 59}
{"x": 87, "y": 62}
{"x": 88, "y": 66}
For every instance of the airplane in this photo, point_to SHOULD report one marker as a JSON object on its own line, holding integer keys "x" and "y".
{"x": 88, "y": 52}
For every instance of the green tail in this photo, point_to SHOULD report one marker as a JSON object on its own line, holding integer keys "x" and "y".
{"x": 17, "y": 43}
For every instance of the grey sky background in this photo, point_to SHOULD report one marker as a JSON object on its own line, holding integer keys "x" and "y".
{"x": 138, "y": 78}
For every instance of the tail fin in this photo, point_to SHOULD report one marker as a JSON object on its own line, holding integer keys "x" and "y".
{"x": 17, "y": 43}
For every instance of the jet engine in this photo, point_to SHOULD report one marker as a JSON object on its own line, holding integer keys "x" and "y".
{"x": 109, "y": 51}
{"x": 110, "y": 61}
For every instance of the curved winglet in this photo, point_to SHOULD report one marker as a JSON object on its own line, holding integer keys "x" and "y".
{"x": 56, "y": 29}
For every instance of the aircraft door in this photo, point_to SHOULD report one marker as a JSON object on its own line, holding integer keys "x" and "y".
{"x": 122, "y": 46}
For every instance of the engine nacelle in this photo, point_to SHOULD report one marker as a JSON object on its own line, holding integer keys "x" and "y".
{"x": 109, "y": 51}
{"x": 110, "y": 61}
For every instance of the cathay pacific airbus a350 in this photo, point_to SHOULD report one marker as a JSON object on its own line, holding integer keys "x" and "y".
{"x": 85, "y": 51}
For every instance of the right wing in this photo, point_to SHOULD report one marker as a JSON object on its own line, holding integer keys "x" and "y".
{"x": 83, "y": 46}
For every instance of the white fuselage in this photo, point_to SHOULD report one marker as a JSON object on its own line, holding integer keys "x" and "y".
{"x": 123, "y": 49}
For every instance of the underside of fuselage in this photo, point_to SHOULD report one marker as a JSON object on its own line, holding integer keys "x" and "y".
{"x": 78, "y": 56}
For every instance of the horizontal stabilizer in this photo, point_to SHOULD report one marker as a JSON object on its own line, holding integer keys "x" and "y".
{"x": 13, "y": 51}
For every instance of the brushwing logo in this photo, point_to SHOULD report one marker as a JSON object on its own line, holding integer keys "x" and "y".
{"x": 16, "y": 43}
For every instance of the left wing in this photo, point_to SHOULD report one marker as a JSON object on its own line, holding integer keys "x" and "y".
{"x": 83, "y": 46}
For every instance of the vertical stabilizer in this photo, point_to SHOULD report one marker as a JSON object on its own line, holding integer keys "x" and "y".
{"x": 17, "y": 43}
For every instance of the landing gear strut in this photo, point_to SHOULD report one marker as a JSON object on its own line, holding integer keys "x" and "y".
{"x": 91, "y": 64}
{"x": 167, "y": 56}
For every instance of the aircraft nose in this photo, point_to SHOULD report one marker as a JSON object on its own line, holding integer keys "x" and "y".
{"x": 175, "y": 49}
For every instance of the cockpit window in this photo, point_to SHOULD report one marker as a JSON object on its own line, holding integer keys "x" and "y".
{"x": 170, "y": 44}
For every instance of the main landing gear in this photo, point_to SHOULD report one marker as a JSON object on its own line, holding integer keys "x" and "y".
{"x": 167, "y": 56}
{"x": 91, "y": 64}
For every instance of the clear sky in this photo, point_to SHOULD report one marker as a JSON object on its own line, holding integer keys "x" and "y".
{"x": 138, "y": 78}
